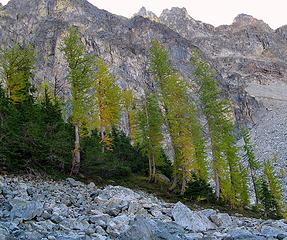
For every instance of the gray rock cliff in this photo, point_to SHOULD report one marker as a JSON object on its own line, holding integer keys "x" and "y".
{"x": 249, "y": 56}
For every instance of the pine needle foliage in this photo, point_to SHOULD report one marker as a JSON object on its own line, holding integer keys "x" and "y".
{"x": 150, "y": 123}
{"x": 180, "y": 118}
{"x": 80, "y": 68}
{"x": 217, "y": 111}
{"x": 108, "y": 102}
{"x": 129, "y": 103}
{"x": 253, "y": 164}
{"x": 17, "y": 72}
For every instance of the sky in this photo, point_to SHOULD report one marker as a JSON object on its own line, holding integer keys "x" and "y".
{"x": 215, "y": 12}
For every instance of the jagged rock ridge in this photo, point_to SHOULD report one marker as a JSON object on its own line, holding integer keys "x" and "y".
{"x": 249, "y": 56}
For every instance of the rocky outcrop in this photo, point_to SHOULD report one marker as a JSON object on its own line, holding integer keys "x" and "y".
{"x": 71, "y": 210}
{"x": 249, "y": 56}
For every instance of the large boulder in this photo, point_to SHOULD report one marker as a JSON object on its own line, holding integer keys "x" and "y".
{"x": 161, "y": 178}
{"x": 241, "y": 233}
{"x": 72, "y": 182}
{"x": 146, "y": 229}
{"x": 191, "y": 220}
{"x": 25, "y": 210}
{"x": 118, "y": 225}
{"x": 221, "y": 219}
{"x": 269, "y": 231}
{"x": 118, "y": 192}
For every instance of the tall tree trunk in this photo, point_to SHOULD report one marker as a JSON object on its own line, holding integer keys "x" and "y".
{"x": 8, "y": 92}
{"x": 153, "y": 165}
{"x": 183, "y": 185}
{"x": 215, "y": 170}
{"x": 216, "y": 177}
{"x": 150, "y": 167}
{"x": 130, "y": 128}
{"x": 76, "y": 153}
{"x": 174, "y": 183}
{"x": 255, "y": 187}
{"x": 103, "y": 139}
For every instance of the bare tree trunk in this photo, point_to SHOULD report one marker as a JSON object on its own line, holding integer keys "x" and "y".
{"x": 216, "y": 176}
{"x": 255, "y": 187}
{"x": 183, "y": 185}
{"x": 154, "y": 167}
{"x": 150, "y": 168}
{"x": 76, "y": 153}
{"x": 130, "y": 129}
{"x": 103, "y": 139}
{"x": 174, "y": 183}
{"x": 215, "y": 171}
{"x": 8, "y": 92}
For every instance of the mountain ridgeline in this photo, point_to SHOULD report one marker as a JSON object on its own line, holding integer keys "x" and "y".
{"x": 158, "y": 96}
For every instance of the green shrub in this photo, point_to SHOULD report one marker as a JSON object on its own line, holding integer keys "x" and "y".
{"x": 199, "y": 190}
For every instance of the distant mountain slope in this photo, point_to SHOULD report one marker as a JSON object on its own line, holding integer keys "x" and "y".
{"x": 249, "y": 56}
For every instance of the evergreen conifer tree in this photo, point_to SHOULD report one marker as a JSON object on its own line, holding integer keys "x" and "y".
{"x": 180, "y": 115}
{"x": 267, "y": 200}
{"x": 129, "y": 106}
{"x": 274, "y": 186}
{"x": 150, "y": 122}
{"x": 244, "y": 194}
{"x": 217, "y": 112}
{"x": 253, "y": 165}
{"x": 108, "y": 100}
{"x": 80, "y": 78}
{"x": 17, "y": 72}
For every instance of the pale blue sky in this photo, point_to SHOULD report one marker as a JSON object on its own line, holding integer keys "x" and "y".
{"x": 215, "y": 12}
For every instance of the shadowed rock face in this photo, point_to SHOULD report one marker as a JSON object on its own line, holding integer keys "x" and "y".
{"x": 249, "y": 56}
{"x": 251, "y": 59}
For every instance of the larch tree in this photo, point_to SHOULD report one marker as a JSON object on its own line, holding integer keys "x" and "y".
{"x": 17, "y": 72}
{"x": 150, "y": 135}
{"x": 227, "y": 176}
{"x": 108, "y": 101}
{"x": 253, "y": 165}
{"x": 244, "y": 193}
{"x": 274, "y": 186}
{"x": 129, "y": 103}
{"x": 80, "y": 78}
{"x": 181, "y": 120}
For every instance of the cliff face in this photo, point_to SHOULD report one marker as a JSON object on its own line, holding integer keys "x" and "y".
{"x": 249, "y": 56}
{"x": 251, "y": 59}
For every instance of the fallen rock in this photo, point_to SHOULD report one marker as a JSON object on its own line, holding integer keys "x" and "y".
{"x": 72, "y": 182}
{"x": 241, "y": 233}
{"x": 161, "y": 178}
{"x": 118, "y": 225}
{"x": 221, "y": 219}
{"x": 269, "y": 231}
{"x": 26, "y": 210}
{"x": 191, "y": 220}
{"x": 147, "y": 229}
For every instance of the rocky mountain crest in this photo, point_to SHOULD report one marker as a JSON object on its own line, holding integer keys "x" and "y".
{"x": 249, "y": 56}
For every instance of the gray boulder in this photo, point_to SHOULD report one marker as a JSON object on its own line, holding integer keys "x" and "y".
{"x": 72, "y": 182}
{"x": 221, "y": 219}
{"x": 269, "y": 231}
{"x": 118, "y": 225}
{"x": 191, "y": 220}
{"x": 241, "y": 233}
{"x": 26, "y": 210}
{"x": 146, "y": 229}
